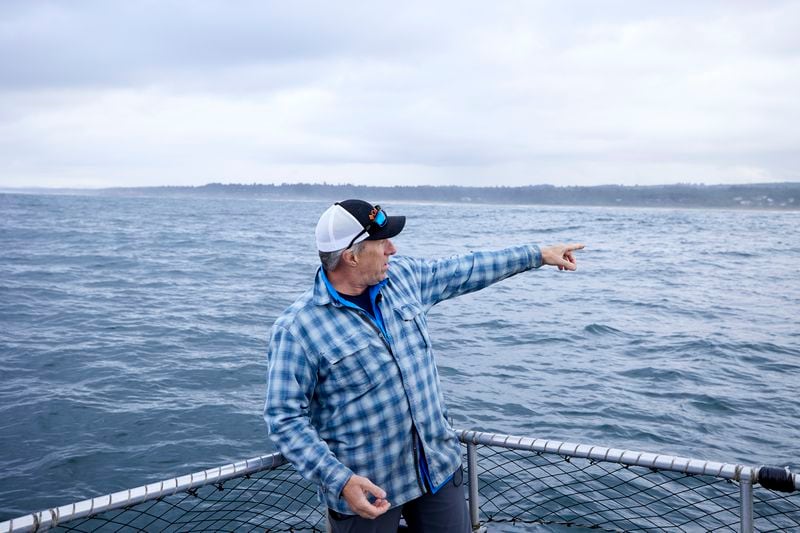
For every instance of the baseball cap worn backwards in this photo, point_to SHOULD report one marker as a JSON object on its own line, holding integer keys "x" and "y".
{"x": 345, "y": 223}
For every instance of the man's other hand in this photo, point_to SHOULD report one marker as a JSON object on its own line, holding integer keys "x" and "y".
{"x": 355, "y": 493}
{"x": 561, "y": 256}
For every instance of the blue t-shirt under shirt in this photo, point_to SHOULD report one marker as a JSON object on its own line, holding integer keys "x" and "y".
{"x": 362, "y": 300}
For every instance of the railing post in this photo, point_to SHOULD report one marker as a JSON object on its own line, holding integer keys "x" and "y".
{"x": 746, "y": 501}
{"x": 472, "y": 467}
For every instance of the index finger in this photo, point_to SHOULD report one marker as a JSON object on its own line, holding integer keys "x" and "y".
{"x": 574, "y": 246}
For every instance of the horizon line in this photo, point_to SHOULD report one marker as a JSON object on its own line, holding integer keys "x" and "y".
{"x": 441, "y": 186}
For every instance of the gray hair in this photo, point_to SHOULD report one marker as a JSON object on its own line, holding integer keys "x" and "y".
{"x": 330, "y": 260}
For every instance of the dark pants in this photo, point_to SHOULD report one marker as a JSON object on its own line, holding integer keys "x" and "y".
{"x": 443, "y": 512}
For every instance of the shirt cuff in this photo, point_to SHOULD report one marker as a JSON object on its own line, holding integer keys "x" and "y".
{"x": 336, "y": 480}
{"x": 537, "y": 256}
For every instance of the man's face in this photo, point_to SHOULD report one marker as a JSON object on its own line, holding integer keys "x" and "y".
{"x": 373, "y": 261}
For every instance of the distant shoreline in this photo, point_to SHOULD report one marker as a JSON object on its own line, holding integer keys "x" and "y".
{"x": 771, "y": 196}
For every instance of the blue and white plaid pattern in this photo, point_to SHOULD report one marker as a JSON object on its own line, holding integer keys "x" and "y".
{"x": 339, "y": 401}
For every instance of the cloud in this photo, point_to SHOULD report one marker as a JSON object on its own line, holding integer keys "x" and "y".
{"x": 107, "y": 93}
{"x": 100, "y": 43}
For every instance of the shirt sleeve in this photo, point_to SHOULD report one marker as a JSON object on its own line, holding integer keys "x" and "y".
{"x": 290, "y": 384}
{"x": 446, "y": 278}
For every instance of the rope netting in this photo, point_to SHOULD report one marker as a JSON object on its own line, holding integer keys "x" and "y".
{"x": 533, "y": 487}
{"x": 271, "y": 500}
{"x": 519, "y": 481}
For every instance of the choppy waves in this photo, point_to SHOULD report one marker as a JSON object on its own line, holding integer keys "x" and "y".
{"x": 134, "y": 332}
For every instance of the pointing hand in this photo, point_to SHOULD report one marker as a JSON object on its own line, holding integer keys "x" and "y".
{"x": 561, "y": 256}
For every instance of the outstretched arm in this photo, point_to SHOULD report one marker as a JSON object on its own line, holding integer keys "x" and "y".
{"x": 445, "y": 278}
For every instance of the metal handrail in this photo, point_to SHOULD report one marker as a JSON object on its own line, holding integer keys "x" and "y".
{"x": 49, "y": 518}
{"x": 747, "y": 476}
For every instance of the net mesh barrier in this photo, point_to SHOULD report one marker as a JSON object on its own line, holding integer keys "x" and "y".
{"x": 515, "y": 486}
{"x": 271, "y": 500}
{"x": 530, "y": 487}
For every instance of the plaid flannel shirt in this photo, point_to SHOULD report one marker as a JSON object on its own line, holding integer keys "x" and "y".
{"x": 342, "y": 397}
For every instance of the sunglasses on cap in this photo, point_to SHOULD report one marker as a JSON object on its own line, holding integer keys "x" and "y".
{"x": 377, "y": 217}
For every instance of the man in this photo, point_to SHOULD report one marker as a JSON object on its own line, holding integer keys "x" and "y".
{"x": 353, "y": 394}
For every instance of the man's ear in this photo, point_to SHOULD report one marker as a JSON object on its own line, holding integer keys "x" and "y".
{"x": 350, "y": 258}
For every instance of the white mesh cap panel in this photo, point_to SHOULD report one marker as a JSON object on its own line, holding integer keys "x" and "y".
{"x": 336, "y": 228}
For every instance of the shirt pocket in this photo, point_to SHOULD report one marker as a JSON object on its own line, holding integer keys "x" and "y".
{"x": 415, "y": 328}
{"x": 353, "y": 366}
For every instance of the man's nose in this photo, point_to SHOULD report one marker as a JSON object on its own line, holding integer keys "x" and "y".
{"x": 390, "y": 249}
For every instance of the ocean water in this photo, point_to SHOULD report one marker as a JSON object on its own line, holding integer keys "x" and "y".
{"x": 133, "y": 332}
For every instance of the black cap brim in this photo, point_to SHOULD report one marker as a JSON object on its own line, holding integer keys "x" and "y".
{"x": 393, "y": 226}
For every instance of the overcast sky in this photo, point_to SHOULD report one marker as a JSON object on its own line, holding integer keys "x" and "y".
{"x": 103, "y": 93}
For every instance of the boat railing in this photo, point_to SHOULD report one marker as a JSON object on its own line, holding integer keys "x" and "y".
{"x": 518, "y": 480}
